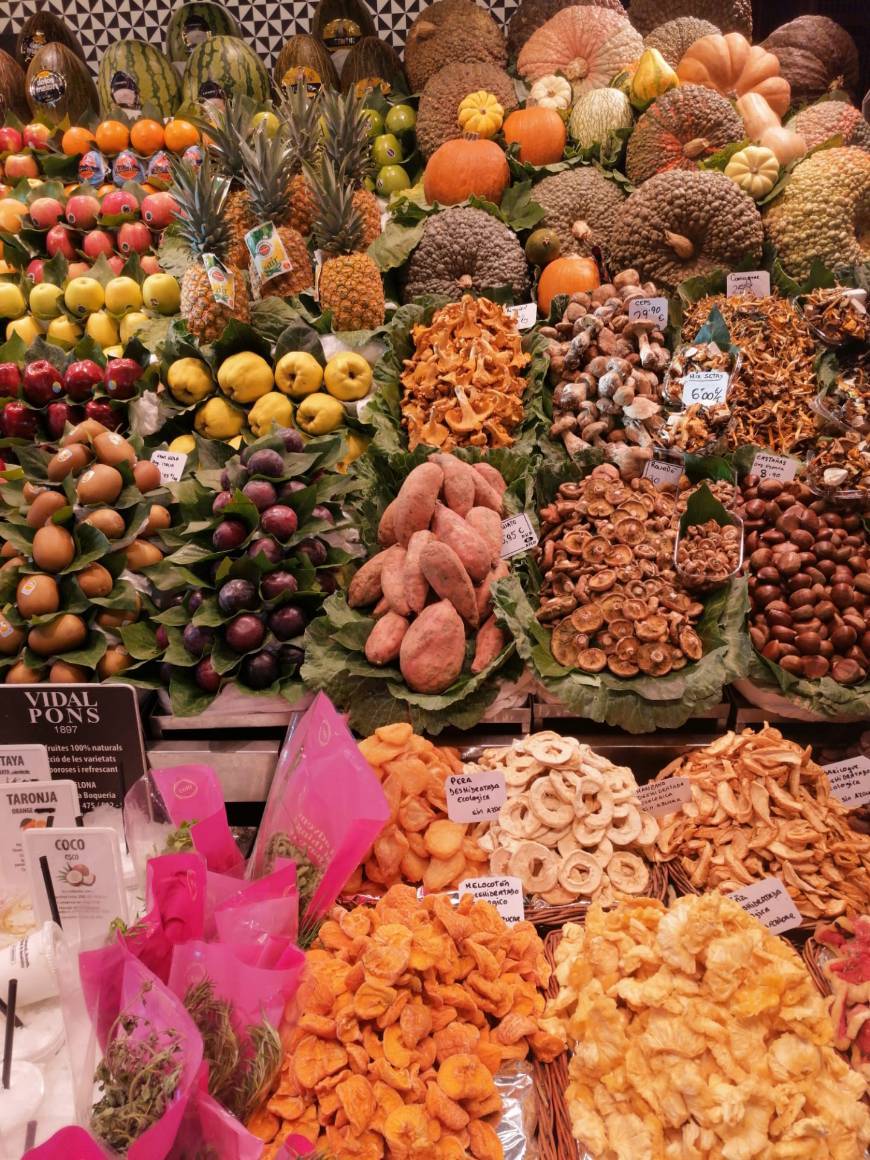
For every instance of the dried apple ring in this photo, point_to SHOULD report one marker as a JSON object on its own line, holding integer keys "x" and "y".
{"x": 551, "y": 749}
{"x": 649, "y": 830}
{"x": 603, "y": 852}
{"x": 598, "y": 811}
{"x": 500, "y": 860}
{"x": 580, "y": 873}
{"x": 558, "y": 896}
{"x": 551, "y": 810}
{"x": 625, "y": 824}
{"x": 585, "y": 835}
{"x": 565, "y": 783}
{"x": 628, "y": 873}
{"x": 516, "y": 818}
{"x": 521, "y": 768}
{"x": 568, "y": 844}
{"x": 536, "y": 866}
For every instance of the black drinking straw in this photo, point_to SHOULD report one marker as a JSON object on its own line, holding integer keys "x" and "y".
{"x": 4, "y": 1011}
{"x": 11, "y": 999}
{"x": 30, "y": 1136}
{"x": 49, "y": 890}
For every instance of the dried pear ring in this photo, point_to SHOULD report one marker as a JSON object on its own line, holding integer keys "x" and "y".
{"x": 549, "y": 808}
{"x": 500, "y": 860}
{"x": 565, "y": 783}
{"x": 554, "y": 837}
{"x": 621, "y": 783}
{"x": 580, "y": 873}
{"x": 536, "y": 866}
{"x": 625, "y": 824}
{"x": 598, "y": 813}
{"x": 628, "y": 873}
{"x": 649, "y": 830}
{"x": 593, "y": 781}
{"x": 558, "y": 896}
{"x": 521, "y": 768}
{"x": 551, "y": 749}
{"x": 516, "y": 818}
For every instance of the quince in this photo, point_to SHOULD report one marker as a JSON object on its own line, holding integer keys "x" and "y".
{"x": 183, "y": 443}
{"x": 348, "y": 376}
{"x": 189, "y": 381}
{"x": 218, "y": 419}
{"x": 319, "y": 414}
{"x": 272, "y": 410}
{"x": 245, "y": 377}
{"x": 298, "y": 374}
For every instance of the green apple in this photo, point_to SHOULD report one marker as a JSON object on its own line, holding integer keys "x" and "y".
{"x": 386, "y": 150}
{"x": 376, "y": 122}
{"x": 400, "y": 119}
{"x": 391, "y": 179}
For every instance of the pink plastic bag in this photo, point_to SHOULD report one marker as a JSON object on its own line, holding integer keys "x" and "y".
{"x": 295, "y": 1147}
{"x": 68, "y": 1144}
{"x": 175, "y": 900}
{"x": 325, "y": 809}
{"x": 209, "y": 1132}
{"x": 133, "y": 1012}
{"x": 261, "y": 920}
{"x": 191, "y": 796}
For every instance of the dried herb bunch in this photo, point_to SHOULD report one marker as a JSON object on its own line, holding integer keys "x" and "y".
{"x": 241, "y": 1069}
{"x": 308, "y": 875}
{"x": 180, "y": 840}
{"x": 138, "y": 1076}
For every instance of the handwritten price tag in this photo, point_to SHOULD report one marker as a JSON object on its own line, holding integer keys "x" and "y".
{"x": 505, "y": 894}
{"x": 705, "y": 387}
{"x": 475, "y": 798}
{"x": 526, "y": 314}
{"x": 170, "y": 464}
{"x": 769, "y": 466}
{"x": 517, "y": 535}
{"x": 769, "y": 902}
{"x": 850, "y": 780}
{"x": 663, "y": 474}
{"x": 664, "y": 797}
{"x": 654, "y": 309}
{"x": 755, "y": 283}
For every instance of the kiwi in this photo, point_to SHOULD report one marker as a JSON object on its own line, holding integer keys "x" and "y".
{"x": 53, "y": 548}
{"x": 44, "y": 507}
{"x": 95, "y": 580}
{"x": 62, "y": 673}
{"x": 11, "y": 638}
{"x": 113, "y": 661}
{"x": 112, "y": 448}
{"x": 107, "y": 521}
{"x": 147, "y": 475}
{"x": 141, "y": 554}
{"x": 84, "y": 432}
{"x": 67, "y": 461}
{"x": 36, "y": 596}
{"x": 158, "y": 519}
{"x": 22, "y": 674}
{"x": 116, "y": 619}
{"x": 60, "y": 635}
{"x": 100, "y": 484}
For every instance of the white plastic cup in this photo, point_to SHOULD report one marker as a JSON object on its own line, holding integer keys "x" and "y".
{"x": 19, "y": 1105}
{"x": 31, "y": 960}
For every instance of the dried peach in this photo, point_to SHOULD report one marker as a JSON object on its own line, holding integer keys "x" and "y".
{"x": 344, "y": 1142}
{"x": 357, "y": 1098}
{"x": 451, "y": 1114}
{"x": 395, "y": 1051}
{"x": 444, "y": 838}
{"x": 406, "y": 1129}
{"x": 315, "y": 1059}
{"x": 484, "y": 1141}
{"x": 395, "y": 1009}
{"x": 441, "y": 873}
{"x": 395, "y": 1077}
{"x": 415, "y": 1023}
{"x": 464, "y": 1077}
{"x": 320, "y": 1025}
{"x": 386, "y": 962}
{"x": 372, "y": 999}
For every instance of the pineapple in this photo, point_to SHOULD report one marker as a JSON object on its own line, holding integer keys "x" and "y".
{"x": 269, "y": 163}
{"x": 201, "y": 196}
{"x": 350, "y": 282}
{"x": 346, "y": 144}
{"x": 301, "y": 116}
{"x": 227, "y": 128}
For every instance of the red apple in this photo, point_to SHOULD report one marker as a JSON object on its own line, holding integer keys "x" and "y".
{"x": 37, "y": 136}
{"x": 57, "y": 415}
{"x": 100, "y": 410}
{"x": 60, "y": 240}
{"x": 134, "y": 238}
{"x": 120, "y": 377}
{"x": 19, "y": 421}
{"x": 82, "y": 211}
{"x": 45, "y": 212}
{"x": 98, "y": 242}
{"x": 158, "y": 210}
{"x": 80, "y": 379}
{"x": 34, "y": 270}
{"x": 149, "y": 264}
{"x": 42, "y": 382}
{"x": 78, "y": 270}
{"x": 116, "y": 264}
{"x": 120, "y": 202}
{"x": 10, "y": 379}
{"x": 20, "y": 165}
{"x": 10, "y": 140}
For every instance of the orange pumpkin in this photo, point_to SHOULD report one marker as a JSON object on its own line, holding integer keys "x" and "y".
{"x": 466, "y": 167}
{"x": 566, "y": 276}
{"x": 734, "y": 67}
{"x": 539, "y": 132}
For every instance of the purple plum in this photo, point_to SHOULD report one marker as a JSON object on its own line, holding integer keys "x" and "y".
{"x": 245, "y": 633}
{"x": 261, "y": 493}
{"x": 276, "y": 584}
{"x": 266, "y": 462}
{"x": 279, "y": 521}
{"x": 198, "y": 640}
{"x": 287, "y": 621}
{"x": 260, "y": 670}
{"x": 205, "y": 676}
{"x": 229, "y": 534}
{"x": 236, "y": 596}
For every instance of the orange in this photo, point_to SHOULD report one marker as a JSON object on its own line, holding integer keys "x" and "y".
{"x": 180, "y": 135}
{"x": 77, "y": 140}
{"x": 112, "y": 136}
{"x": 146, "y": 137}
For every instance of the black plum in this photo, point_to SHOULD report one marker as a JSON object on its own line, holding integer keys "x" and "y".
{"x": 287, "y": 621}
{"x": 293, "y": 441}
{"x": 220, "y": 501}
{"x": 237, "y": 595}
{"x": 267, "y": 547}
{"x": 245, "y": 633}
{"x": 290, "y": 658}
{"x": 260, "y": 670}
{"x": 290, "y": 488}
{"x": 322, "y": 512}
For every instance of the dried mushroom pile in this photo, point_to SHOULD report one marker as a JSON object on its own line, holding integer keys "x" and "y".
{"x": 838, "y": 314}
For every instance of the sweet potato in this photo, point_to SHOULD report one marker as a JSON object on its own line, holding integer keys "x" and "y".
{"x": 458, "y": 488}
{"x": 415, "y": 503}
{"x": 492, "y": 475}
{"x": 445, "y": 572}
{"x": 452, "y": 530}
{"x": 488, "y": 524}
{"x": 485, "y": 495}
{"x": 416, "y": 585}
{"x": 393, "y": 579}
{"x": 433, "y": 649}
{"x": 385, "y": 639}
{"x": 386, "y": 531}
{"x": 383, "y": 607}
{"x": 490, "y": 641}
{"x": 484, "y": 592}
{"x": 365, "y": 587}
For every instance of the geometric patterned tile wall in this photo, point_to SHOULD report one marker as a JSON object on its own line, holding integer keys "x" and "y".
{"x": 265, "y": 23}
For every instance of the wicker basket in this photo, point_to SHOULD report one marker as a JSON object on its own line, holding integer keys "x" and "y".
{"x": 547, "y": 918}
{"x": 683, "y": 885}
{"x": 555, "y": 1138}
{"x": 812, "y": 953}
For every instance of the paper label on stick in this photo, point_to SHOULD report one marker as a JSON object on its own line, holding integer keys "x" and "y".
{"x": 505, "y": 894}
{"x": 170, "y": 464}
{"x": 517, "y": 535}
{"x": 769, "y": 902}
{"x": 653, "y": 309}
{"x": 475, "y": 797}
{"x": 84, "y": 866}
{"x": 850, "y": 780}
{"x": 766, "y": 465}
{"x": 269, "y": 257}
{"x": 754, "y": 283}
{"x": 705, "y": 387}
{"x": 24, "y": 763}
{"x": 33, "y": 805}
{"x": 664, "y": 797}
{"x": 222, "y": 282}
{"x": 526, "y": 314}
{"x": 662, "y": 473}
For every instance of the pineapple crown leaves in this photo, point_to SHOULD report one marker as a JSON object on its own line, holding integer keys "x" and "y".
{"x": 200, "y": 193}
{"x": 268, "y": 165}
{"x": 337, "y": 226}
{"x": 300, "y": 117}
{"x": 227, "y": 128}
{"x": 346, "y": 134}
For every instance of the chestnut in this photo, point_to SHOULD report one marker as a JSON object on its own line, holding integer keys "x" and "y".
{"x": 808, "y": 643}
{"x": 842, "y": 595}
{"x": 815, "y": 668}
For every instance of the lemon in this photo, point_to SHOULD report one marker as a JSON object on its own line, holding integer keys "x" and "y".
{"x": 63, "y": 332}
{"x": 102, "y": 328}
{"x": 123, "y": 295}
{"x": 183, "y": 443}
{"x": 162, "y": 293}
{"x": 189, "y": 381}
{"x": 131, "y": 323}
{"x": 45, "y": 300}
{"x": 83, "y": 296}
{"x": 272, "y": 410}
{"x": 218, "y": 419}
{"x": 319, "y": 414}
{"x": 12, "y": 301}
{"x": 25, "y": 328}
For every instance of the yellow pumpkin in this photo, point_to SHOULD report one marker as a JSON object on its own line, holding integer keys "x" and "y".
{"x": 652, "y": 77}
{"x": 733, "y": 66}
{"x": 755, "y": 169}
{"x": 480, "y": 113}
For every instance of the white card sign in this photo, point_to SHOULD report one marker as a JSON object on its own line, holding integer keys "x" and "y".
{"x": 653, "y": 309}
{"x": 32, "y": 805}
{"x": 769, "y": 902}
{"x": 24, "y": 763}
{"x": 517, "y": 535}
{"x": 766, "y": 465}
{"x": 475, "y": 797}
{"x": 526, "y": 314}
{"x": 85, "y": 870}
{"x": 754, "y": 283}
{"x": 170, "y": 464}
{"x": 664, "y": 797}
{"x": 850, "y": 780}
{"x": 505, "y": 894}
{"x": 662, "y": 473}
{"x": 705, "y": 387}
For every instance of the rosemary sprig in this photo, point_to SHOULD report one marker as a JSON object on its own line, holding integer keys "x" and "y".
{"x": 180, "y": 841}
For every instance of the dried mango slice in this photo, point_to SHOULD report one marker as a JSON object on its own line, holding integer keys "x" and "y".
{"x": 464, "y": 1077}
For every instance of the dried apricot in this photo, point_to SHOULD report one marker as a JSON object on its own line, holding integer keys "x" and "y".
{"x": 395, "y": 1051}
{"x": 464, "y": 1077}
{"x": 484, "y": 1141}
{"x": 357, "y": 1098}
{"x": 406, "y": 1129}
{"x": 440, "y": 1106}
{"x": 315, "y": 1059}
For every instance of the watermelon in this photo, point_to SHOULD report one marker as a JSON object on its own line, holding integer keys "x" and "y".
{"x": 134, "y": 74}
{"x": 220, "y": 66}
{"x": 191, "y": 24}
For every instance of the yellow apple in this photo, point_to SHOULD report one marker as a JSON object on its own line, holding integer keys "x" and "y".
{"x": 25, "y": 328}
{"x": 63, "y": 332}
{"x": 348, "y": 376}
{"x": 102, "y": 328}
{"x": 12, "y": 301}
{"x": 123, "y": 295}
{"x": 45, "y": 300}
{"x": 298, "y": 374}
